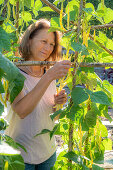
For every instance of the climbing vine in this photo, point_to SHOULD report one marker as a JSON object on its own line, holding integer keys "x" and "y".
{"x": 85, "y": 137}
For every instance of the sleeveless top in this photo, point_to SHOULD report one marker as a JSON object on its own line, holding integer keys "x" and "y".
{"x": 38, "y": 148}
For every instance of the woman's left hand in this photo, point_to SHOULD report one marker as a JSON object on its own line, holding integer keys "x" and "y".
{"x": 61, "y": 97}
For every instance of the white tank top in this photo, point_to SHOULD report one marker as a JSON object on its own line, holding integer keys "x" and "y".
{"x": 38, "y": 148}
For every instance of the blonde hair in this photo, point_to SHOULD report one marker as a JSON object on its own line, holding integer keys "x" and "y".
{"x": 32, "y": 30}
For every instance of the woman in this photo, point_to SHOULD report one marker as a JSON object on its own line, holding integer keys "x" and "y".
{"x": 33, "y": 106}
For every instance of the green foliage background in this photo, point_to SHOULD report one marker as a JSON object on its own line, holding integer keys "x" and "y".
{"x": 86, "y": 104}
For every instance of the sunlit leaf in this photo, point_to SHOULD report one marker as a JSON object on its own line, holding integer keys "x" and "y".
{"x": 1, "y": 1}
{"x": 100, "y": 97}
{"x": 27, "y": 3}
{"x": 72, "y": 5}
{"x": 38, "y": 5}
{"x": 26, "y": 16}
{"x": 108, "y": 17}
{"x": 88, "y": 10}
{"x": 46, "y": 9}
{"x": 107, "y": 144}
{"x": 13, "y": 2}
{"x": 79, "y": 95}
{"x": 55, "y": 22}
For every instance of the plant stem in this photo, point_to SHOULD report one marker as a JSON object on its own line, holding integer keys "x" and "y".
{"x": 70, "y": 143}
{"x": 17, "y": 16}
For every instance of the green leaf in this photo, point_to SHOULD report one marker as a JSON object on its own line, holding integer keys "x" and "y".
{"x": 9, "y": 70}
{"x": 13, "y": 144}
{"x": 4, "y": 40}
{"x": 107, "y": 115}
{"x": 52, "y": 29}
{"x": 79, "y": 95}
{"x": 88, "y": 10}
{"x": 84, "y": 125}
{"x": 44, "y": 131}
{"x": 96, "y": 167}
{"x": 108, "y": 17}
{"x": 84, "y": 51}
{"x": 94, "y": 46}
{"x": 72, "y": 156}
{"x": 103, "y": 130}
{"x": 76, "y": 46}
{"x": 3, "y": 124}
{"x": 16, "y": 162}
{"x": 26, "y": 16}
{"x": 55, "y": 22}
{"x": 72, "y": 6}
{"x": 91, "y": 10}
{"x": 56, "y": 2}
{"x": 90, "y": 118}
{"x": 16, "y": 86}
{"x": 56, "y": 114}
{"x": 46, "y": 9}
{"x": 65, "y": 126}
{"x": 12, "y": 2}
{"x": 1, "y": 1}
{"x": 1, "y": 88}
{"x": 100, "y": 97}
{"x": 107, "y": 144}
{"x": 73, "y": 14}
{"x": 63, "y": 113}
{"x": 27, "y": 3}
{"x": 99, "y": 154}
{"x": 90, "y": 5}
{"x": 1, "y": 109}
{"x": 54, "y": 130}
{"x": 75, "y": 112}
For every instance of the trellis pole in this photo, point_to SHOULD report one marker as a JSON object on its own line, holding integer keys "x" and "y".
{"x": 51, "y": 63}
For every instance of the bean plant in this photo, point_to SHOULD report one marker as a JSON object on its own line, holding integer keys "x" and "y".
{"x": 85, "y": 138}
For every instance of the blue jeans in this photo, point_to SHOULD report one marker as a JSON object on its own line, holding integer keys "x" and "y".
{"x": 46, "y": 165}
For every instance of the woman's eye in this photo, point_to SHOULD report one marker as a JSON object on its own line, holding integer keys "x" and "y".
{"x": 44, "y": 41}
{"x": 52, "y": 45}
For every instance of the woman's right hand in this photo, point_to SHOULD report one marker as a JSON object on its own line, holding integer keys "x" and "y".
{"x": 59, "y": 70}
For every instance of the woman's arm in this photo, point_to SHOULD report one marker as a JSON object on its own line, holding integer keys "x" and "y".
{"x": 25, "y": 105}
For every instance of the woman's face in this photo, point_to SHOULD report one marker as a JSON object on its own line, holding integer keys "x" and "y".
{"x": 42, "y": 45}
